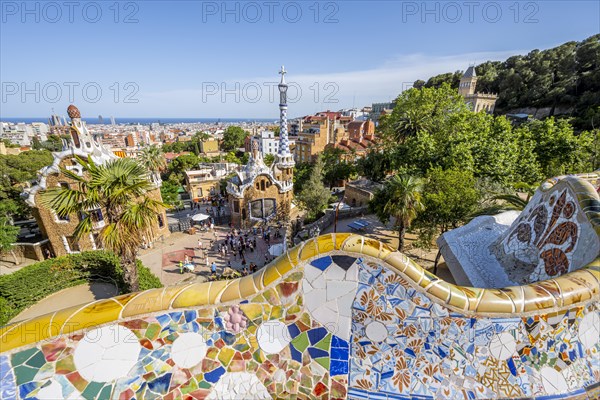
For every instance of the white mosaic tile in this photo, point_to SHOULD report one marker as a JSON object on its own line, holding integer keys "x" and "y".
{"x": 589, "y": 330}
{"x": 188, "y": 349}
{"x": 329, "y": 295}
{"x": 238, "y": 386}
{"x": 273, "y": 336}
{"x": 51, "y": 392}
{"x": 376, "y": 331}
{"x": 503, "y": 345}
{"x": 553, "y": 381}
{"x": 107, "y": 353}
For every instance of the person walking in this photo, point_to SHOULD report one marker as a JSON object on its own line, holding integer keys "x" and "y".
{"x": 213, "y": 268}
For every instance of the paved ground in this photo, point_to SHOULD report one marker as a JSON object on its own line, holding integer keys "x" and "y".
{"x": 73, "y": 296}
{"x": 163, "y": 258}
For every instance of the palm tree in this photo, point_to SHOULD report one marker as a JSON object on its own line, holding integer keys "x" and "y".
{"x": 115, "y": 194}
{"x": 400, "y": 198}
{"x": 153, "y": 158}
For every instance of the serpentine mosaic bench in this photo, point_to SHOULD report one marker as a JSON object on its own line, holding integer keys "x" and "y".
{"x": 339, "y": 316}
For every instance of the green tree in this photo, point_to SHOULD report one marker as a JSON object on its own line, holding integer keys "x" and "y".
{"x": 8, "y": 232}
{"x": 302, "y": 172}
{"x": 400, "y": 198}
{"x": 336, "y": 168}
{"x": 269, "y": 159}
{"x": 449, "y": 198}
{"x": 233, "y": 138}
{"x": 119, "y": 188}
{"x": 314, "y": 196}
{"x": 153, "y": 159}
{"x": 169, "y": 192}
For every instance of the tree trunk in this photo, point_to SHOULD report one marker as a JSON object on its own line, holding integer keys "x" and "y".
{"x": 130, "y": 274}
{"x": 401, "y": 233}
{"x": 12, "y": 253}
{"x": 437, "y": 260}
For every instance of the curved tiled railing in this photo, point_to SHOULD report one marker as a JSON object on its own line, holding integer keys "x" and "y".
{"x": 564, "y": 292}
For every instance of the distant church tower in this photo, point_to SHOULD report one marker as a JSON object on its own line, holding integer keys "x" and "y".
{"x": 477, "y": 101}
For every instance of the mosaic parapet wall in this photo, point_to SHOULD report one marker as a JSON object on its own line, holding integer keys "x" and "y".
{"x": 557, "y": 232}
{"x": 340, "y": 316}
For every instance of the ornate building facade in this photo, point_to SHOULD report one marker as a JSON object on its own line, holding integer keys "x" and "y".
{"x": 60, "y": 230}
{"x": 477, "y": 101}
{"x": 259, "y": 193}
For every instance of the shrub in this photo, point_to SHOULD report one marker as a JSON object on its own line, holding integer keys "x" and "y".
{"x": 27, "y": 286}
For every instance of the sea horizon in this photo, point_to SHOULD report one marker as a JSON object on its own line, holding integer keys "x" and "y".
{"x": 141, "y": 120}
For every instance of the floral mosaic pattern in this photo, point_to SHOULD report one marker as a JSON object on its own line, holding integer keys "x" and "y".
{"x": 432, "y": 352}
{"x": 400, "y": 345}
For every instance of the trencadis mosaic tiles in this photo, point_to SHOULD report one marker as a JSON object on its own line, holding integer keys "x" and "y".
{"x": 400, "y": 344}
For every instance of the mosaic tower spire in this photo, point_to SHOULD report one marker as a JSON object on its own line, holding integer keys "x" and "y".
{"x": 284, "y": 157}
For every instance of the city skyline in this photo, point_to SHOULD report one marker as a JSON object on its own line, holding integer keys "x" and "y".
{"x": 178, "y": 71}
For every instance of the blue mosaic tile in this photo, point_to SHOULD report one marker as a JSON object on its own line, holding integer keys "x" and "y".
{"x": 190, "y": 316}
{"x": 296, "y": 355}
{"x": 336, "y": 341}
{"x": 294, "y": 330}
{"x": 315, "y": 335}
{"x": 317, "y": 353}
{"x": 344, "y": 262}
{"x": 8, "y": 389}
{"x": 321, "y": 263}
{"x": 338, "y": 368}
{"x": 339, "y": 354}
{"x": 161, "y": 384}
{"x": 214, "y": 375}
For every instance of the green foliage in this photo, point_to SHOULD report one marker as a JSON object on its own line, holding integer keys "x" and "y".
{"x": 153, "y": 158}
{"x": 336, "y": 168}
{"x": 557, "y": 148}
{"x": 8, "y": 232}
{"x": 118, "y": 188}
{"x": 16, "y": 170}
{"x": 302, "y": 172}
{"x": 233, "y": 138}
{"x": 269, "y": 159}
{"x": 25, "y": 287}
{"x": 567, "y": 75}
{"x": 169, "y": 193}
{"x": 314, "y": 196}
{"x": 376, "y": 164}
{"x": 400, "y": 198}
{"x": 449, "y": 198}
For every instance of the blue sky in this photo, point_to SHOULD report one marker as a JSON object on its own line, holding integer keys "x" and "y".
{"x": 219, "y": 59}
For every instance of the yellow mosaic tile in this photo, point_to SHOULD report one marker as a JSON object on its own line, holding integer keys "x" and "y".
{"x": 385, "y": 250}
{"x": 225, "y": 355}
{"x": 473, "y": 296}
{"x": 371, "y": 247}
{"x": 14, "y": 336}
{"x": 271, "y": 274}
{"x": 293, "y": 255}
{"x": 340, "y": 238}
{"x": 283, "y": 265}
{"x": 251, "y": 310}
{"x": 427, "y": 278}
{"x": 439, "y": 289}
{"x": 95, "y": 314}
{"x": 458, "y": 298}
{"x": 216, "y": 289}
{"x": 309, "y": 250}
{"x": 257, "y": 277}
{"x": 495, "y": 301}
{"x": 353, "y": 244}
{"x": 576, "y": 287}
{"x": 193, "y": 295}
{"x": 414, "y": 272}
{"x": 536, "y": 298}
{"x": 398, "y": 261}
{"x": 247, "y": 287}
{"x": 231, "y": 292}
{"x": 144, "y": 303}
{"x": 515, "y": 293}
{"x": 326, "y": 243}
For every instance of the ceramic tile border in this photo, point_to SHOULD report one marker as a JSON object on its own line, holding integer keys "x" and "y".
{"x": 565, "y": 291}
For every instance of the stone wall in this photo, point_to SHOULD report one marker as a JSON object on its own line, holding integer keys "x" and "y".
{"x": 340, "y": 316}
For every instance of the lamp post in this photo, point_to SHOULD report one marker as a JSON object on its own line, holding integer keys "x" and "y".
{"x": 337, "y": 209}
